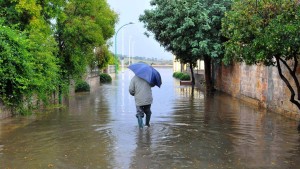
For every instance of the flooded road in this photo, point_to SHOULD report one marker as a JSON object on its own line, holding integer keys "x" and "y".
{"x": 99, "y": 130}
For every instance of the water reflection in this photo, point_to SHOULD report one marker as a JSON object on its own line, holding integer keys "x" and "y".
{"x": 142, "y": 156}
{"x": 99, "y": 130}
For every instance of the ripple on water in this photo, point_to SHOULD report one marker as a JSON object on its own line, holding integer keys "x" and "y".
{"x": 1, "y": 149}
{"x": 98, "y": 130}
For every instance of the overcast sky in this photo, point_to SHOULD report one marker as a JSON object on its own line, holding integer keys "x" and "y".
{"x": 131, "y": 39}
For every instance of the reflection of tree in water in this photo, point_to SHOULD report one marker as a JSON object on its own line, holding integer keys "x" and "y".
{"x": 201, "y": 139}
{"x": 194, "y": 130}
{"x": 293, "y": 160}
{"x": 86, "y": 141}
{"x": 248, "y": 134}
{"x": 64, "y": 138}
{"x": 190, "y": 92}
{"x": 222, "y": 131}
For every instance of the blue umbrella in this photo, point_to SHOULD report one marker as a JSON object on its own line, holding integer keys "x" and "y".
{"x": 147, "y": 73}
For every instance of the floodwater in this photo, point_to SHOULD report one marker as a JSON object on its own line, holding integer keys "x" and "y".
{"x": 99, "y": 130}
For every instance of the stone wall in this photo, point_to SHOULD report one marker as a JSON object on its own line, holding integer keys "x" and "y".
{"x": 4, "y": 112}
{"x": 199, "y": 79}
{"x": 94, "y": 82}
{"x": 258, "y": 85}
{"x": 92, "y": 79}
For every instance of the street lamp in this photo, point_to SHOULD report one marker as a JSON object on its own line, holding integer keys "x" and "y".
{"x": 116, "y": 57}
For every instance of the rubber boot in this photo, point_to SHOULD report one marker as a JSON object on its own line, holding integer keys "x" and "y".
{"x": 140, "y": 121}
{"x": 148, "y": 120}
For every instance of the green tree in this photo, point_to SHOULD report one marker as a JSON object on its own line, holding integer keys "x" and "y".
{"x": 44, "y": 43}
{"x": 29, "y": 49}
{"x": 15, "y": 66}
{"x": 190, "y": 29}
{"x": 51, "y": 9}
{"x": 268, "y": 33}
{"x": 81, "y": 27}
{"x": 103, "y": 56}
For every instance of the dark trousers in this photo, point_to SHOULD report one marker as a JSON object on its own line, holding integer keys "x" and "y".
{"x": 141, "y": 110}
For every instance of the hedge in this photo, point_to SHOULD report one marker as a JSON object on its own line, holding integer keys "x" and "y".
{"x": 181, "y": 76}
{"x": 82, "y": 86}
{"x": 105, "y": 78}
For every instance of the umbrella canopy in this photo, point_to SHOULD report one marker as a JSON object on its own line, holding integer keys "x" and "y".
{"x": 147, "y": 73}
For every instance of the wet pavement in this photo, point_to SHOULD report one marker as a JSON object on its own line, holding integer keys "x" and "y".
{"x": 99, "y": 130}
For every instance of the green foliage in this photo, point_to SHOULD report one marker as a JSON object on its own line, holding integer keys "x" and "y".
{"x": 43, "y": 47}
{"x": 34, "y": 65}
{"x": 267, "y": 33}
{"x": 44, "y": 43}
{"x": 105, "y": 78}
{"x": 268, "y": 28}
{"x": 177, "y": 74}
{"x": 112, "y": 59}
{"x": 84, "y": 25}
{"x": 82, "y": 86}
{"x": 51, "y": 8}
{"x": 103, "y": 57}
{"x": 188, "y": 28}
{"x": 181, "y": 76}
{"x": 22, "y": 72}
{"x": 15, "y": 66}
{"x": 185, "y": 77}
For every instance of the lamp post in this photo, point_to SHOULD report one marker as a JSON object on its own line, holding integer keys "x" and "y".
{"x": 116, "y": 57}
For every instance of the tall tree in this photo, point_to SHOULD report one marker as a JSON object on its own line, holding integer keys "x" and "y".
{"x": 16, "y": 69}
{"x": 55, "y": 43}
{"x": 190, "y": 29}
{"x": 83, "y": 26}
{"x": 268, "y": 33}
{"x": 103, "y": 57}
{"x": 31, "y": 57}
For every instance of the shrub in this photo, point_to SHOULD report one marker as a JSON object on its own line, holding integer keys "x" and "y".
{"x": 82, "y": 86}
{"x": 177, "y": 75}
{"x": 105, "y": 78}
{"x": 185, "y": 77}
{"x": 181, "y": 76}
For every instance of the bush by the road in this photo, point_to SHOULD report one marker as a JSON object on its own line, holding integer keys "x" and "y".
{"x": 82, "y": 86}
{"x": 185, "y": 77}
{"x": 105, "y": 78}
{"x": 181, "y": 76}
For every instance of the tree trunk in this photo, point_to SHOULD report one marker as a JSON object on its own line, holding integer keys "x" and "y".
{"x": 292, "y": 72}
{"x": 193, "y": 76}
{"x": 59, "y": 95}
{"x": 208, "y": 79}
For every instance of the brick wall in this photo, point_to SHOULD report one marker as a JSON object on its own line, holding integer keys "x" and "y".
{"x": 258, "y": 85}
